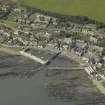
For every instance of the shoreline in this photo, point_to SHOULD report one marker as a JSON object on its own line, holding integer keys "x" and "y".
{"x": 8, "y": 51}
{"x": 98, "y": 84}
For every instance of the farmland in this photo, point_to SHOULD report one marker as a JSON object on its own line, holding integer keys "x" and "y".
{"x": 94, "y": 9}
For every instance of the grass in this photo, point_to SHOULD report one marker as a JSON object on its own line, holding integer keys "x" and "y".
{"x": 11, "y": 2}
{"x": 9, "y": 24}
{"x": 92, "y": 8}
{"x": 12, "y": 15}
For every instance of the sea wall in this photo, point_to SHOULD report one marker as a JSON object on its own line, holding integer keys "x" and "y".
{"x": 33, "y": 57}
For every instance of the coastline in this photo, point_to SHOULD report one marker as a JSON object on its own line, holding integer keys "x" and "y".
{"x": 70, "y": 55}
{"x": 10, "y": 49}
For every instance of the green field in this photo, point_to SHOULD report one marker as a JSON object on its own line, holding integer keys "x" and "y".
{"x": 94, "y": 9}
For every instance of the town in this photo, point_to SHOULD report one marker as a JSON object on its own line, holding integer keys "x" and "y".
{"x": 25, "y": 27}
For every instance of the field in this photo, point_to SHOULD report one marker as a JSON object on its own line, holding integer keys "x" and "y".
{"x": 92, "y": 8}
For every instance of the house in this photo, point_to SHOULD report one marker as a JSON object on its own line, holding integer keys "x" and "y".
{"x": 87, "y": 31}
{"x": 93, "y": 39}
{"x": 87, "y": 56}
{"x": 97, "y": 58}
{"x": 4, "y": 8}
{"x": 17, "y": 10}
{"x": 54, "y": 20}
{"x": 103, "y": 58}
{"x": 16, "y": 32}
{"x": 67, "y": 41}
{"x": 80, "y": 44}
{"x": 96, "y": 49}
{"x": 44, "y": 34}
{"x": 42, "y": 18}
